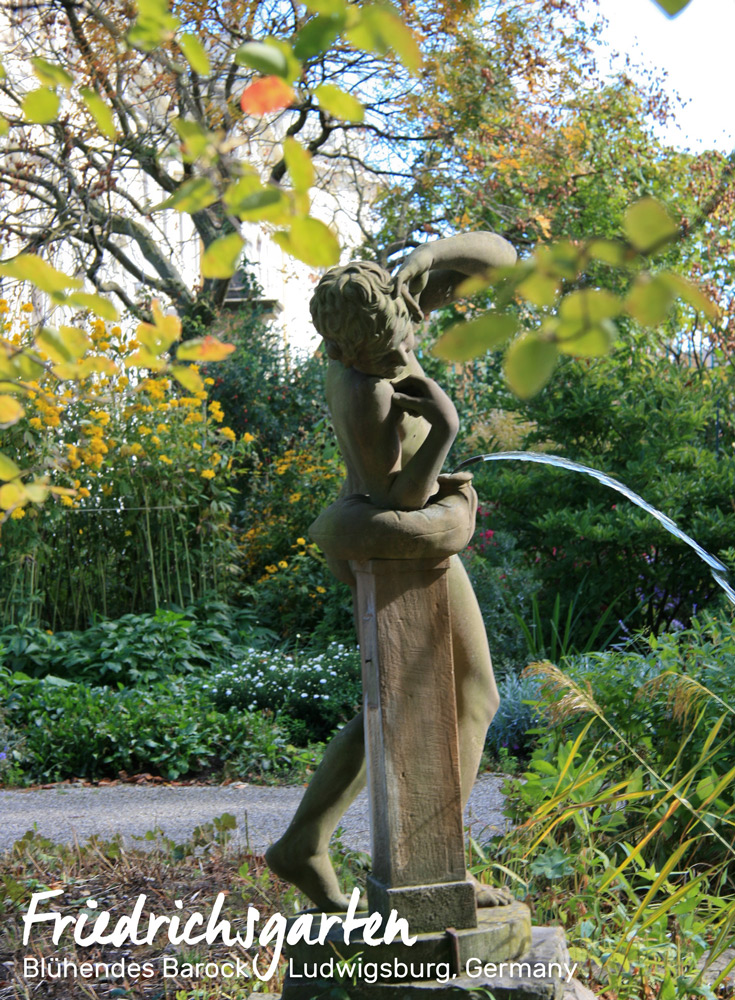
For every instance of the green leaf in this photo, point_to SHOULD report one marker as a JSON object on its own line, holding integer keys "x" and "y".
{"x": 529, "y": 363}
{"x": 593, "y": 341}
{"x": 66, "y": 344}
{"x": 195, "y": 54}
{"x": 311, "y": 241}
{"x": 252, "y": 202}
{"x": 97, "y": 304}
{"x": 691, "y": 293}
{"x": 195, "y": 140}
{"x": 339, "y": 104}
{"x": 380, "y": 29}
{"x": 648, "y": 225}
{"x": 221, "y": 257}
{"x": 650, "y": 300}
{"x": 589, "y": 305}
{"x": 468, "y": 340}
{"x": 8, "y": 468}
{"x": 541, "y": 289}
{"x": 317, "y": 35}
{"x": 298, "y": 162}
{"x": 326, "y": 6}
{"x": 29, "y": 267}
{"x": 153, "y": 26}
{"x": 100, "y": 111}
{"x": 608, "y": 251}
{"x": 672, "y": 7}
{"x": 41, "y": 106}
{"x": 191, "y": 197}
{"x": 4, "y": 126}
{"x": 263, "y": 58}
{"x": 51, "y": 75}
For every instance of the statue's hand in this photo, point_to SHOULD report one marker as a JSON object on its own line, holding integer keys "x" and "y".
{"x": 425, "y": 398}
{"x": 410, "y": 280}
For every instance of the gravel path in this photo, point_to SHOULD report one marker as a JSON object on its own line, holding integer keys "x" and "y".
{"x": 66, "y": 812}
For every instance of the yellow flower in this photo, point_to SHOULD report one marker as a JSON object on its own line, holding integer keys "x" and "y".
{"x": 35, "y": 422}
{"x": 196, "y": 446}
{"x": 321, "y": 590}
{"x": 228, "y": 433}
{"x": 128, "y": 534}
{"x": 248, "y": 437}
{"x": 67, "y": 501}
{"x": 162, "y": 428}
{"x": 294, "y": 498}
{"x": 209, "y": 381}
{"x": 18, "y": 514}
{"x": 166, "y": 459}
{"x": 208, "y": 474}
{"x": 84, "y": 492}
{"x": 27, "y": 307}
{"x": 301, "y": 541}
{"x": 271, "y": 569}
{"x": 283, "y": 564}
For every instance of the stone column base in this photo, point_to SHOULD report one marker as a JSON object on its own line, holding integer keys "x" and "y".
{"x": 449, "y": 963}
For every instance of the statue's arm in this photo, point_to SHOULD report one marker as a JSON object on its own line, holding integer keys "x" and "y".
{"x": 374, "y": 440}
{"x": 430, "y": 275}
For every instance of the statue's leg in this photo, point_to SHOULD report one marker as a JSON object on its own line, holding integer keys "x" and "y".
{"x": 301, "y": 855}
{"x": 476, "y": 693}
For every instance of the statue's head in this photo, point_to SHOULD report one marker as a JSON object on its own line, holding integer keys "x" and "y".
{"x": 356, "y": 311}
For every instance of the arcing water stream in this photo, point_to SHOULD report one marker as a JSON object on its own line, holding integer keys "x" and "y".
{"x": 717, "y": 568}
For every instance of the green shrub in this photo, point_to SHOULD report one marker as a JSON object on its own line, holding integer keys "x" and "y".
{"x": 517, "y": 717}
{"x": 321, "y": 690}
{"x": 134, "y": 649}
{"x": 168, "y": 728}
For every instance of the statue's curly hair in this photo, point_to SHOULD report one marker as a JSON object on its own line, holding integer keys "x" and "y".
{"x": 356, "y": 311}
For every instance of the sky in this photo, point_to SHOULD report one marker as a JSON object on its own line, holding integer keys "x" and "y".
{"x": 695, "y": 48}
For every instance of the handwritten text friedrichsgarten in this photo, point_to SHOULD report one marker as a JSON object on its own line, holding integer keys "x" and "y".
{"x": 196, "y": 929}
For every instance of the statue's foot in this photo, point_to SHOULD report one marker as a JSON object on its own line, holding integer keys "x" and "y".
{"x": 489, "y": 895}
{"x": 313, "y": 875}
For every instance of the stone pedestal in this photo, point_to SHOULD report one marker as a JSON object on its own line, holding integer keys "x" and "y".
{"x": 411, "y": 744}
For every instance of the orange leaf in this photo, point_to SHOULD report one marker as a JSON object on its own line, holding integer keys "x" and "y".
{"x": 269, "y": 93}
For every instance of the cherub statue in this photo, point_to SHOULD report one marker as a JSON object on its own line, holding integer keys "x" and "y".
{"x": 394, "y": 427}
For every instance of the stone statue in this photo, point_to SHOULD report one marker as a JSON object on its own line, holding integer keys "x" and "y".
{"x": 394, "y": 427}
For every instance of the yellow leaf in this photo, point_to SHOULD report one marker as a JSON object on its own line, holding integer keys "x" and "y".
{"x": 37, "y": 491}
{"x": 97, "y": 304}
{"x": 204, "y": 349}
{"x": 66, "y": 344}
{"x": 10, "y": 411}
{"x": 41, "y": 106}
{"x": 8, "y": 468}
{"x": 29, "y": 267}
{"x": 51, "y": 75}
{"x": 311, "y": 241}
{"x": 100, "y": 111}
{"x": 298, "y": 162}
{"x": 12, "y": 495}
{"x": 188, "y": 376}
{"x": 221, "y": 258}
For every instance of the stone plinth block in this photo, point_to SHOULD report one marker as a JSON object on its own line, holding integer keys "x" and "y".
{"x": 502, "y": 935}
{"x": 410, "y": 724}
{"x": 426, "y": 907}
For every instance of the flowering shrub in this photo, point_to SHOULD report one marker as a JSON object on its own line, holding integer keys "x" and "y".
{"x": 319, "y": 689}
{"x": 140, "y": 476}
